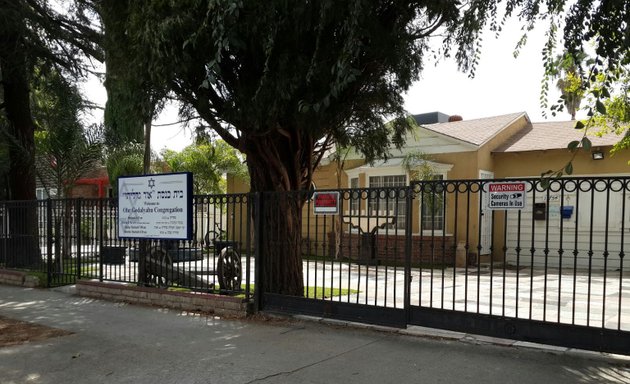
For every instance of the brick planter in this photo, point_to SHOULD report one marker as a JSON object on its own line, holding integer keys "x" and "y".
{"x": 18, "y": 278}
{"x": 219, "y": 305}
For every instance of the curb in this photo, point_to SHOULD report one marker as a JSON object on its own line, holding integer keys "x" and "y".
{"x": 440, "y": 334}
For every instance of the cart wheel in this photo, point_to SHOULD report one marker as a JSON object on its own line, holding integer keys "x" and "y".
{"x": 158, "y": 267}
{"x": 229, "y": 269}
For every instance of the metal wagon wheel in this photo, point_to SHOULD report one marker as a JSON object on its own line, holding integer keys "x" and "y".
{"x": 229, "y": 269}
{"x": 158, "y": 267}
{"x": 210, "y": 238}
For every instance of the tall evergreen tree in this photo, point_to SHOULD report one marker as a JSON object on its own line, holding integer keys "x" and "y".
{"x": 33, "y": 33}
{"x": 133, "y": 98}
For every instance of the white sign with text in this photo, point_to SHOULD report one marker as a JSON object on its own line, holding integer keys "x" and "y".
{"x": 506, "y": 195}
{"x": 155, "y": 206}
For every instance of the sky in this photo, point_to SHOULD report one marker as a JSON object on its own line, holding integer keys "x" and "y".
{"x": 502, "y": 85}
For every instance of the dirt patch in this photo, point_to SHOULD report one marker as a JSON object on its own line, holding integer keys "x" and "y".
{"x": 14, "y": 332}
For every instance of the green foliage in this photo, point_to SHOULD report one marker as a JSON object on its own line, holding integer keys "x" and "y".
{"x": 208, "y": 162}
{"x": 125, "y": 160}
{"x": 418, "y": 165}
{"x": 37, "y": 35}
{"x": 133, "y": 98}
{"x": 568, "y": 70}
{"x": 311, "y": 72}
{"x": 66, "y": 150}
{"x": 612, "y": 113}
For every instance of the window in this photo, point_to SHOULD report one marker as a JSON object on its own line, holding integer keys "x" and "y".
{"x": 388, "y": 203}
{"x": 355, "y": 201}
{"x": 42, "y": 194}
{"x": 391, "y": 174}
{"x": 432, "y": 201}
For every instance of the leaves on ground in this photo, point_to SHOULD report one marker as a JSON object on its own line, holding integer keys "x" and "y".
{"x": 15, "y": 332}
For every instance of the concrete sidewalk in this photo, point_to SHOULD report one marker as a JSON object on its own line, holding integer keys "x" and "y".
{"x": 119, "y": 343}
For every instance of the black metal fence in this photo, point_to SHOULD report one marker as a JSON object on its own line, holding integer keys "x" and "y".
{"x": 449, "y": 254}
{"x": 65, "y": 239}
{"x": 454, "y": 254}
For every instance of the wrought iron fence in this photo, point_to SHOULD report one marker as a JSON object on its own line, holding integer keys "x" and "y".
{"x": 436, "y": 253}
{"x": 65, "y": 239}
{"x": 444, "y": 251}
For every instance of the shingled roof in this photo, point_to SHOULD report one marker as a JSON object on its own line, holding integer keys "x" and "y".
{"x": 475, "y": 131}
{"x": 551, "y": 135}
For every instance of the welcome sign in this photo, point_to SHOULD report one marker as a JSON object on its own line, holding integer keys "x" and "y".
{"x": 155, "y": 206}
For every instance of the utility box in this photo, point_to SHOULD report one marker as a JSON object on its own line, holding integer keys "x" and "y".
{"x": 566, "y": 211}
{"x": 540, "y": 211}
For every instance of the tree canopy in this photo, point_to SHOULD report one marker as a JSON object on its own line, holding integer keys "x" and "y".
{"x": 282, "y": 81}
{"x": 36, "y": 33}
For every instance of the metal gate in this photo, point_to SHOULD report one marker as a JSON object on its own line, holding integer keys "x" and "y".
{"x": 553, "y": 271}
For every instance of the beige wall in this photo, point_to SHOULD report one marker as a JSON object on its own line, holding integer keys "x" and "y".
{"x": 464, "y": 219}
{"x": 236, "y": 185}
{"x": 534, "y": 163}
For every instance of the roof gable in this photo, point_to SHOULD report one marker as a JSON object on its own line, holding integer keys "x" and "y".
{"x": 551, "y": 135}
{"x": 477, "y": 131}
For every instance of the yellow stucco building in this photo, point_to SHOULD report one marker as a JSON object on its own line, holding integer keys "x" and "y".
{"x": 500, "y": 147}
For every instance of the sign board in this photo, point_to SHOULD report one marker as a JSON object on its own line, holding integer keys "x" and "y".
{"x": 326, "y": 203}
{"x": 155, "y": 206}
{"x": 506, "y": 195}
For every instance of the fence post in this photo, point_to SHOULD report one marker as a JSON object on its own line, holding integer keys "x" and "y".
{"x": 100, "y": 239}
{"x": 77, "y": 225}
{"x": 408, "y": 247}
{"x": 248, "y": 244}
{"x": 258, "y": 246}
{"x": 4, "y": 232}
{"x": 49, "y": 242}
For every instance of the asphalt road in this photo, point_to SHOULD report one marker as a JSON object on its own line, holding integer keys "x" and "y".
{"x": 119, "y": 343}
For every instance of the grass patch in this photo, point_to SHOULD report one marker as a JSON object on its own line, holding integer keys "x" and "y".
{"x": 326, "y": 292}
{"x": 379, "y": 263}
{"x": 311, "y": 292}
{"x": 178, "y": 289}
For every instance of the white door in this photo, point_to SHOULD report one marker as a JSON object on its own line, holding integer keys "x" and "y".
{"x": 486, "y": 219}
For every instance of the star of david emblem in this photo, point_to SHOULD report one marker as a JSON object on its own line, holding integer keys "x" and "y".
{"x": 151, "y": 183}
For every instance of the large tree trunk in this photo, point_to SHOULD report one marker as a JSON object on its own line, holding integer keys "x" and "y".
{"x": 21, "y": 127}
{"x": 279, "y": 174}
{"x": 281, "y": 243}
{"x": 21, "y": 130}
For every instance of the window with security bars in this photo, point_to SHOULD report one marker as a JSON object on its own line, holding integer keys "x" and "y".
{"x": 432, "y": 201}
{"x": 388, "y": 203}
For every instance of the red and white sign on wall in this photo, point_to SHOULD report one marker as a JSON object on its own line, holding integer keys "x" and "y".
{"x": 506, "y": 195}
{"x": 326, "y": 203}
